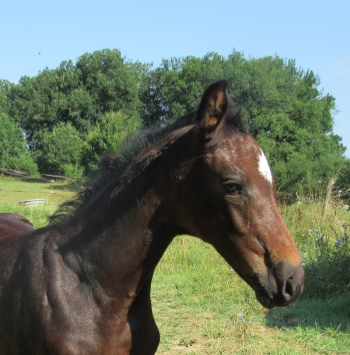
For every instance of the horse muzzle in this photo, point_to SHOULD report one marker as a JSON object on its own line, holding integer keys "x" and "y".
{"x": 281, "y": 287}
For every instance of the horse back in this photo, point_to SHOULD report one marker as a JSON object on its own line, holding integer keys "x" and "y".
{"x": 13, "y": 224}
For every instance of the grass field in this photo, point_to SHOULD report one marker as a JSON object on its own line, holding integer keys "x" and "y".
{"x": 13, "y": 190}
{"x": 202, "y": 307}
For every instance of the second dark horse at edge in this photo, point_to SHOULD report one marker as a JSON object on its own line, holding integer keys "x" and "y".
{"x": 82, "y": 284}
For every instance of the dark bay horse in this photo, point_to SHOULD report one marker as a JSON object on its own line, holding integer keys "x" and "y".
{"x": 82, "y": 284}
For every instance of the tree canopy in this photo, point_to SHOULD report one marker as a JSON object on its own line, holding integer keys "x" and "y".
{"x": 98, "y": 100}
{"x": 79, "y": 94}
{"x": 107, "y": 135}
{"x": 61, "y": 149}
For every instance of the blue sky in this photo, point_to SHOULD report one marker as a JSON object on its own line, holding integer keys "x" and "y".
{"x": 38, "y": 34}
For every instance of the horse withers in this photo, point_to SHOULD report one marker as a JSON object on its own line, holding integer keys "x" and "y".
{"x": 82, "y": 284}
{"x": 12, "y": 224}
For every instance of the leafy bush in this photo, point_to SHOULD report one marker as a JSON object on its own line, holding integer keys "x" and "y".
{"x": 343, "y": 176}
{"x": 25, "y": 163}
{"x": 60, "y": 147}
{"x": 302, "y": 173}
{"x": 73, "y": 171}
{"x": 327, "y": 265}
{"x": 322, "y": 240}
{"x": 110, "y": 131}
{"x": 14, "y": 153}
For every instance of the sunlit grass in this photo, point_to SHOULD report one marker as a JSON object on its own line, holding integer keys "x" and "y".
{"x": 14, "y": 190}
{"x": 202, "y": 307}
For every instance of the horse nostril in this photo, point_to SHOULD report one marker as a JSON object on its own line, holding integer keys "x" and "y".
{"x": 289, "y": 290}
{"x": 291, "y": 281}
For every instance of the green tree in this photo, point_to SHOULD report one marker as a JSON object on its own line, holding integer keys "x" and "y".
{"x": 343, "y": 177}
{"x": 176, "y": 87}
{"x": 51, "y": 97}
{"x": 282, "y": 105}
{"x": 5, "y": 96}
{"x": 102, "y": 94}
{"x": 107, "y": 135}
{"x": 286, "y": 112}
{"x": 14, "y": 153}
{"x": 79, "y": 94}
{"x": 303, "y": 174}
{"x": 110, "y": 81}
{"x": 61, "y": 151}
{"x": 150, "y": 93}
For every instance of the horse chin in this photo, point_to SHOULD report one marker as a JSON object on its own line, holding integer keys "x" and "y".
{"x": 270, "y": 302}
{"x": 264, "y": 300}
{"x": 262, "y": 293}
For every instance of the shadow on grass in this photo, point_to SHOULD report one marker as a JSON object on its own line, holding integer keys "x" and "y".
{"x": 71, "y": 185}
{"x": 32, "y": 180}
{"x": 324, "y": 314}
{"x": 60, "y": 185}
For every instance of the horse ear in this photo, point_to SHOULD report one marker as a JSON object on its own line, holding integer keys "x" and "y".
{"x": 213, "y": 107}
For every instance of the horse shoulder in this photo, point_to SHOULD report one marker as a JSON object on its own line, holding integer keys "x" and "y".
{"x": 67, "y": 312}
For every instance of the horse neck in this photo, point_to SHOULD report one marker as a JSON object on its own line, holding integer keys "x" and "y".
{"x": 127, "y": 239}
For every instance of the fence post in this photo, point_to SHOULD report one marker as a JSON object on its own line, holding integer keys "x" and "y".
{"x": 327, "y": 198}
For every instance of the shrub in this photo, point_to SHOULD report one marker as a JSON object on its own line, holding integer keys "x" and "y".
{"x": 25, "y": 163}
{"x": 14, "y": 153}
{"x": 327, "y": 266}
{"x": 107, "y": 136}
{"x": 73, "y": 170}
{"x": 61, "y": 147}
{"x": 323, "y": 241}
{"x": 303, "y": 173}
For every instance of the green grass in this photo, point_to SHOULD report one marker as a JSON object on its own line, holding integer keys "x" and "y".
{"x": 202, "y": 307}
{"x": 300, "y": 218}
{"x": 14, "y": 190}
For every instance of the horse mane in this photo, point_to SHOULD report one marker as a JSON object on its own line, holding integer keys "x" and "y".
{"x": 112, "y": 166}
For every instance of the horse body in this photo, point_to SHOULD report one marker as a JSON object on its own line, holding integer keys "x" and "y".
{"x": 57, "y": 300}
{"x": 82, "y": 285}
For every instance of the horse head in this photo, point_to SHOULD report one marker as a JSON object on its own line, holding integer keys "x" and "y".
{"x": 228, "y": 199}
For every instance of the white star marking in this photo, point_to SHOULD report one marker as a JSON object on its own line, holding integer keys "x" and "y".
{"x": 264, "y": 168}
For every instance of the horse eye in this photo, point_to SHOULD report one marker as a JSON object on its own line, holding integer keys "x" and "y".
{"x": 232, "y": 187}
